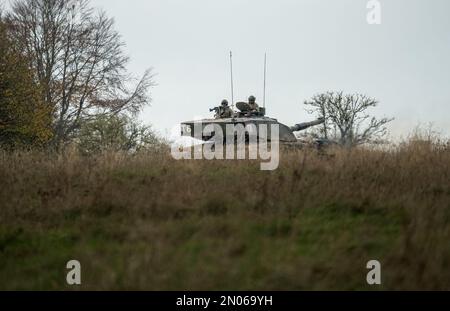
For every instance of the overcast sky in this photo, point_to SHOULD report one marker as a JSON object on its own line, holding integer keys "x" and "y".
{"x": 312, "y": 46}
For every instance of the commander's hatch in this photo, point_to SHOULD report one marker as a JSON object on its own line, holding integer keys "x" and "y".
{"x": 244, "y": 108}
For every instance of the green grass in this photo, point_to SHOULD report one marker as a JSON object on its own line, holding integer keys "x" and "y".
{"x": 148, "y": 222}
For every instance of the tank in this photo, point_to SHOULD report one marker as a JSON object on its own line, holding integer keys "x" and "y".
{"x": 246, "y": 116}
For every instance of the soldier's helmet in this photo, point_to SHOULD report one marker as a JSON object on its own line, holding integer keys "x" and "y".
{"x": 252, "y": 99}
{"x": 224, "y": 102}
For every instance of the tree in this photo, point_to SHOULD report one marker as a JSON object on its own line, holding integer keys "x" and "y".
{"x": 347, "y": 120}
{"x": 24, "y": 118}
{"x": 115, "y": 133}
{"x": 79, "y": 62}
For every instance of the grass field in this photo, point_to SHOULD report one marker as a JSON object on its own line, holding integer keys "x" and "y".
{"x": 148, "y": 222}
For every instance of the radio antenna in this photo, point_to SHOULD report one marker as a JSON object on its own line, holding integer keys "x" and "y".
{"x": 265, "y": 71}
{"x": 232, "y": 88}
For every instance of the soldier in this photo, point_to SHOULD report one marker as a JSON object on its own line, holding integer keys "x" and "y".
{"x": 252, "y": 103}
{"x": 225, "y": 110}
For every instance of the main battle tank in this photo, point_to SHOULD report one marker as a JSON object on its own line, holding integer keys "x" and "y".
{"x": 246, "y": 116}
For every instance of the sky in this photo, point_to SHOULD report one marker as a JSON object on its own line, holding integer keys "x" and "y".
{"x": 312, "y": 46}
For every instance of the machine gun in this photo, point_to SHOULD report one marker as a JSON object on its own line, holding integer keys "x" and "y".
{"x": 217, "y": 112}
{"x": 215, "y": 109}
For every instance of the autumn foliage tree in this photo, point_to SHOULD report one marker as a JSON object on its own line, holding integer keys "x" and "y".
{"x": 25, "y": 119}
{"x": 78, "y": 60}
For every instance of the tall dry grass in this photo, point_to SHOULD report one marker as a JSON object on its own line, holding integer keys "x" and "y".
{"x": 146, "y": 221}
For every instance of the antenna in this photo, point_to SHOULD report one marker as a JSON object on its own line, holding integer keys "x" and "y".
{"x": 265, "y": 68}
{"x": 232, "y": 88}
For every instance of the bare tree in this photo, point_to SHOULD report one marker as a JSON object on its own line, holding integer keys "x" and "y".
{"x": 79, "y": 62}
{"x": 347, "y": 120}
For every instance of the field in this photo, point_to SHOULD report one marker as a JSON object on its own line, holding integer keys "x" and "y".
{"x": 148, "y": 222}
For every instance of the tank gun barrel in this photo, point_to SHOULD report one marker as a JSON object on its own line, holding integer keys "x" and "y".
{"x": 306, "y": 125}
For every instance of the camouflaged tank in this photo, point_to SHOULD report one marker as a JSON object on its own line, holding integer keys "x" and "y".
{"x": 245, "y": 116}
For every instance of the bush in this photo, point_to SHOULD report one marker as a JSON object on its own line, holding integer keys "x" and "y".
{"x": 115, "y": 133}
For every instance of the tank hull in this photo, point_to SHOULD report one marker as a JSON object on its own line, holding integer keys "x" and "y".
{"x": 285, "y": 133}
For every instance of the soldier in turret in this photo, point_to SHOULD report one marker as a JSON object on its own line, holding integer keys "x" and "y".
{"x": 252, "y": 103}
{"x": 225, "y": 110}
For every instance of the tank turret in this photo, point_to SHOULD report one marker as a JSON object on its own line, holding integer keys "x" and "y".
{"x": 246, "y": 116}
